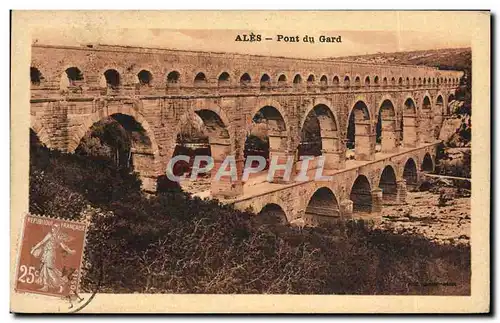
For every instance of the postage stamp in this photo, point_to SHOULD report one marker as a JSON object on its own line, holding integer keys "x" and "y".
{"x": 50, "y": 257}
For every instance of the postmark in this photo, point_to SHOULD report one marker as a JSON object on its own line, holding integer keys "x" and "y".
{"x": 50, "y": 257}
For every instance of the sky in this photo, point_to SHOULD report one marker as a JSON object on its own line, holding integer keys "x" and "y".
{"x": 361, "y": 32}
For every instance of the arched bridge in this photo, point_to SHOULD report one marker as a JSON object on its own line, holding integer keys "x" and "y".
{"x": 341, "y": 104}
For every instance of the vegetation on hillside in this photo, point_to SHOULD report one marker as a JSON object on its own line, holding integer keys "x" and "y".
{"x": 174, "y": 243}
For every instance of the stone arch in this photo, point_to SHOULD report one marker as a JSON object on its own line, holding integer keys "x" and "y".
{"x": 245, "y": 79}
{"x": 311, "y": 79}
{"x": 367, "y": 80}
{"x": 144, "y": 151}
{"x": 376, "y": 80}
{"x": 361, "y": 195}
{"x": 267, "y": 136}
{"x": 427, "y": 163}
{"x": 400, "y": 81}
{"x": 386, "y": 129}
{"x": 297, "y": 80}
{"x": 144, "y": 77}
{"x": 359, "y": 131}
{"x": 388, "y": 184}
{"x": 409, "y": 126}
{"x": 426, "y": 102}
{"x": 440, "y": 103}
{"x": 173, "y": 77}
{"x": 385, "y": 82}
{"x": 272, "y": 213}
{"x": 347, "y": 81}
{"x": 357, "y": 81}
{"x": 323, "y": 81}
{"x": 224, "y": 79}
{"x": 410, "y": 173}
{"x": 322, "y": 207}
{"x": 36, "y": 76}
{"x": 393, "y": 81}
{"x": 112, "y": 78}
{"x": 262, "y": 102}
{"x": 319, "y": 134}
{"x": 282, "y": 79}
{"x": 72, "y": 76}
{"x": 200, "y": 78}
{"x": 336, "y": 81}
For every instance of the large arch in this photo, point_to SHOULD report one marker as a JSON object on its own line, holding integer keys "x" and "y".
{"x": 410, "y": 174}
{"x": 388, "y": 184}
{"x": 359, "y": 132}
{"x": 386, "y": 126}
{"x": 319, "y": 135}
{"x": 267, "y": 135}
{"x": 143, "y": 154}
{"x": 322, "y": 207}
{"x": 361, "y": 195}
{"x": 409, "y": 118}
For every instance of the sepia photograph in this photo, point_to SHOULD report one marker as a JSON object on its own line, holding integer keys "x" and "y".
{"x": 248, "y": 161}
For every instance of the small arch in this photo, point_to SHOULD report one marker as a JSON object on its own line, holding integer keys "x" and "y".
{"x": 419, "y": 81}
{"x": 245, "y": 79}
{"x": 357, "y": 81}
{"x": 265, "y": 81}
{"x": 335, "y": 81}
{"x": 388, "y": 184}
{"x": 173, "y": 77}
{"x": 347, "y": 81}
{"x": 367, "y": 81}
{"x": 407, "y": 81}
{"x": 361, "y": 195}
{"x": 384, "y": 81}
{"x": 323, "y": 81}
{"x": 410, "y": 107}
{"x": 358, "y": 114}
{"x": 376, "y": 80}
{"x": 310, "y": 80}
{"x": 145, "y": 77}
{"x": 393, "y": 81}
{"x": 112, "y": 78}
{"x": 400, "y": 81}
{"x": 414, "y": 83}
{"x": 297, "y": 80}
{"x": 323, "y": 207}
{"x": 200, "y": 78}
{"x": 426, "y": 103}
{"x": 224, "y": 79}
{"x": 282, "y": 79}
{"x": 429, "y": 80}
{"x": 35, "y": 76}
{"x": 74, "y": 75}
{"x": 410, "y": 174}
{"x": 427, "y": 163}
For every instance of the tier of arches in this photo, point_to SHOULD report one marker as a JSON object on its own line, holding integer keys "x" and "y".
{"x": 113, "y": 77}
{"x": 364, "y": 196}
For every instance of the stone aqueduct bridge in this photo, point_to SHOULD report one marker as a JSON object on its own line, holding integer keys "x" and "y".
{"x": 74, "y": 87}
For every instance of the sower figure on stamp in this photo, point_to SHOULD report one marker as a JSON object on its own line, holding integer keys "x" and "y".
{"x": 46, "y": 250}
